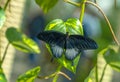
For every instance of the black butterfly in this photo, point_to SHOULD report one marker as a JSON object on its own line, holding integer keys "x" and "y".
{"x": 70, "y": 45}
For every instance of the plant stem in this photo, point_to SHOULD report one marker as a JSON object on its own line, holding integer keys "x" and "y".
{"x": 96, "y": 71}
{"x": 103, "y": 73}
{"x": 4, "y": 55}
{"x": 55, "y": 78}
{"x": 73, "y": 3}
{"x": 55, "y": 75}
{"x": 82, "y": 10}
{"x": 110, "y": 27}
{"x": 6, "y": 4}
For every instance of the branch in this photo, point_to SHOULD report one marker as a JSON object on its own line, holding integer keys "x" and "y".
{"x": 82, "y": 10}
{"x": 4, "y": 55}
{"x": 53, "y": 75}
{"x": 6, "y": 4}
{"x": 103, "y": 72}
{"x": 110, "y": 27}
{"x": 73, "y": 3}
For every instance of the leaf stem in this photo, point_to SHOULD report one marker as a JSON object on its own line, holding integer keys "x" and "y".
{"x": 82, "y": 10}
{"x": 96, "y": 71}
{"x": 103, "y": 73}
{"x": 110, "y": 27}
{"x": 55, "y": 75}
{"x": 4, "y": 55}
{"x": 5, "y": 7}
{"x": 73, "y": 3}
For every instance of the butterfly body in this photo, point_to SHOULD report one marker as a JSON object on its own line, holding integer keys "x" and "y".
{"x": 70, "y": 45}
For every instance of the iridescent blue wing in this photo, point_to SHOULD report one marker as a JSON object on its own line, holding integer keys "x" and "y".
{"x": 76, "y": 43}
{"x": 56, "y": 41}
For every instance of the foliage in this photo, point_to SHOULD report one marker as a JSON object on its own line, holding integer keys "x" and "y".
{"x": 2, "y": 17}
{"x": 2, "y": 76}
{"x": 21, "y": 42}
{"x": 30, "y": 75}
{"x": 46, "y": 5}
{"x": 74, "y": 26}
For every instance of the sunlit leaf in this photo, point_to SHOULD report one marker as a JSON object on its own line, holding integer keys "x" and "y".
{"x": 21, "y": 42}
{"x": 56, "y": 25}
{"x": 73, "y": 26}
{"x": 46, "y": 5}
{"x": 91, "y": 76}
{"x": 30, "y": 75}
{"x": 2, "y": 76}
{"x": 2, "y": 17}
{"x": 112, "y": 56}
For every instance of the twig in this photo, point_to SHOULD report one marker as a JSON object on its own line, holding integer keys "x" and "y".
{"x": 6, "y": 4}
{"x": 53, "y": 75}
{"x": 4, "y": 55}
{"x": 110, "y": 27}
{"x": 103, "y": 73}
{"x": 96, "y": 71}
{"x": 73, "y": 3}
{"x": 82, "y": 11}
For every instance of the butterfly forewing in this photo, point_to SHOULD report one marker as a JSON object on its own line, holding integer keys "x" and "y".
{"x": 50, "y": 36}
{"x": 82, "y": 42}
{"x": 56, "y": 41}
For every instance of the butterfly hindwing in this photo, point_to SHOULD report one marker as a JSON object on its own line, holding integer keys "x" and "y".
{"x": 58, "y": 47}
{"x": 71, "y": 51}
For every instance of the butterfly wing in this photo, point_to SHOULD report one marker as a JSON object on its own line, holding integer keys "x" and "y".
{"x": 83, "y": 43}
{"x": 56, "y": 41}
{"x": 71, "y": 51}
{"x": 76, "y": 43}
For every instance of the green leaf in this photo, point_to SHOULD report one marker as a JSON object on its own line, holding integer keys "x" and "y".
{"x": 21, "y": 42}
{"x": 73, "y": 26}
{"x": 2, "y": 76}
{"x": 46, "y": 5}
{"x": 2, "y": 17}
{"x": 91, "y": 76}
{"x": 30, "y": 75}
{"x": 112, "y": 56}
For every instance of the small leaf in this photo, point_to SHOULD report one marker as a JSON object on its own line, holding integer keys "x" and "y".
{"x": 91, "y": 76}
{"x": 112, "y": 56}
{"x": 73, "y": 26}
{"x": 2, "y": 76}
{"x": 21, "y": 42}
{"x": 30, "y": 75}
{"x": 56, "y": 25}
{"x": 46, "y": 5}
{"x": 2, "y": 17}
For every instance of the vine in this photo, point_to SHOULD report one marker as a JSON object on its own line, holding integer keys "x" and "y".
{"x": 24, "y": 43}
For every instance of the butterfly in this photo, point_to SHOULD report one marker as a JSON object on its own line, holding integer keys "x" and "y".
{"x": 69, "y": 45}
